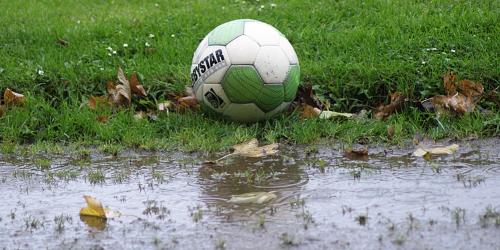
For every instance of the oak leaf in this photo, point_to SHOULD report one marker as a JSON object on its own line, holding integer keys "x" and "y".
{"x": 426, "y": 152}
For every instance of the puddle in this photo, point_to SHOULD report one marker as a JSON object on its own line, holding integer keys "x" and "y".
{"x": 390, "y": 200}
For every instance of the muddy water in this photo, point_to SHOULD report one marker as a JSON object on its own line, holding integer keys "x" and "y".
{"x": 390, "y": 200}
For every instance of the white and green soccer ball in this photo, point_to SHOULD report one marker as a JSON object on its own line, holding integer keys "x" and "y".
{"x": 245, "y": 70}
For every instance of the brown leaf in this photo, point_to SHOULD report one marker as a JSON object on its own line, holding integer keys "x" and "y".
{"x": 383, "y": 111}
{"x": 457, "y": 103}
{"x": 356, "y": 154}
{"x": 309, "y": 111}
{"x": 470, "y": 89}
{"x": 12, "y": 98}
{"x": 123, "y": 88}
{"x": 96, "y": 101}
{"x": 62, "y": 42}
{"x": 103, "y": 118}
{"x": 450, "y": 82}
{"x": 187, "y": 102}
{"x": 135, "y": 86}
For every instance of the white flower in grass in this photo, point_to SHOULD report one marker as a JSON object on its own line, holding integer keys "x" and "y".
{"x": 273, "y": 5}
{"x": 109, "y": 54}
{"x": 125, "y": 45}
{"x": 173, "y": 35}
{"x": 40, "y": 72}
{"x": 453, "y": 51}
{"x": 109, "y": 49}
{"x": 151, "y": 36}
{"x": 424, "y": 62}
{"x": 114, "y": 52}
{"x": 147, "y": 44}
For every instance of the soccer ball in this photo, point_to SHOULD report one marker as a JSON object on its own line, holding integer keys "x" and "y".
{"x": 245, "y": 70}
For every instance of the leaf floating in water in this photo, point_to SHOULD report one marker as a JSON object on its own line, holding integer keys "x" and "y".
{"x": 426, "y": 152}
{"x": 252, "y": 149}
{"x": 94, "y": 208}
{"x": 355, "y": 154}
{"x": 253, "y": 198}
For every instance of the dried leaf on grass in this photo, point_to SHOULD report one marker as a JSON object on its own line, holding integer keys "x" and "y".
{"x": 12, "y": 98}
{"x": 62, "y": 42}
{"x": 459, "y": 101}
{"x": 253, "y": 198}
{"x": 331, "y": 114}
{"x": 123, "y": 92}
{"x": 94, "y": 208}
{"x": 383, "y": 111}
{"x": 356, "y": 154}
{"x": 252, "y": 149}
{"x": 309, "y": 111}
{"x": 183, "y": 103}
{"x": 96, "y": 101}
{"x": 426, "y": 152}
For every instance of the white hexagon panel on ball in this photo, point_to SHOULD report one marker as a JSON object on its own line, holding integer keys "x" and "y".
{"x": 242, "y": 50}
{"x": 272, "y": 64}
{"x": 262, "y": 33}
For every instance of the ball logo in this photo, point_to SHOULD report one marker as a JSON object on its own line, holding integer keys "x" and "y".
{"x": 214, "y": 99}
{"x": 206, "y": 67}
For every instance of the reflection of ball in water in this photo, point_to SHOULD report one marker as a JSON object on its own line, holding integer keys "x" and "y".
{"x": 246, "y": 70}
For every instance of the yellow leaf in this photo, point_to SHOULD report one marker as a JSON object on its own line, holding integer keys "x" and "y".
{"x": 253, "y": 197}
{"x": 448, "y": 150}
{"x": 94, "y": 207}
{"x": 252, "y": 149}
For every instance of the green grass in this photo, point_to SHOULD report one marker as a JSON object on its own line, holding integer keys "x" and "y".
{"x": 354, "y": 52}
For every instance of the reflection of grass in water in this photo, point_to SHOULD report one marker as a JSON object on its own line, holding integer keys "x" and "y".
{"x": 490, "y": 216}
{"x": 43, "y": 163}
{"x": 96, "y": 176}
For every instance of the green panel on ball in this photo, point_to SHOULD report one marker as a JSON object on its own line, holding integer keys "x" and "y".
{"x": 291, "y": 83}
{"x": 226, "y": 32}
{"x": 242, "y": 84}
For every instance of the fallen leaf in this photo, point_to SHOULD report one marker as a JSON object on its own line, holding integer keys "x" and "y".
{"x": 450, "y": 82}
{"x": 448, "y": 150}
{"x": 330, "y": 114}
{"x": 457, "y": 103}
{"x": 470, "y": 89}
{"x": 12, "y": 98}
{"x": 253, "y": 198}
{"x": 252, "y": 149}
{"x": 94, "y": 208}
{"x": 96, "y": 101}
{"x": 62, "y": 42}
{"x": 356, "y": 153}
{"x": 103, "y": 118}
{"x": 309, "y": 111}
{"x": 164, "y": 106}
{"x": 135, "y": 86}
{"x": 94, "y": 222}
{"x": 383, "y": 111}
